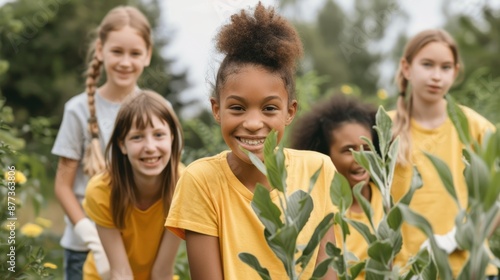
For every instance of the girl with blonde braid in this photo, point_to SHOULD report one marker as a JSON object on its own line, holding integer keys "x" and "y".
{"x": 122, "y": 48}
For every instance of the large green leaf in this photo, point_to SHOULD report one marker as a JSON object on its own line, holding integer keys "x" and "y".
{"x": 444, "y": 174}
{"x": 493, "y": 190}
{"x": 376, "y": 270}
{"x": 318, "y": 234}
{"x": 337, "y": 260}
{"x": 357, "y": 269}
{"x": 300, "y": 206}
{"x": 416, "y": 183}
{"x": 369, "y": 161}
{"x": 340, "y": 192}
{"x": 475, "y": 267}
{"x": 314, "y": 178}
{"x": 440, "y": 257}
{"x": 253, "y": 262}
{"x": 283, "y": 243}
{"x": 269, "y": 214}
{"x": 394, "y": 219}
{"x": 392, "y": 160}
{"x": 321, "y": 269}
{"x": 459, "y": 120}
{"x": 384, "y": 129}
{"x": 363, "y": 202}
{"x": 364, "y": 230}
{"x": 274, "y": 160}
{"x": 381, "y": 251}
{"x": 256, "y": 161}
{"x": 477, "y": 177}
{"x": 340, "y": 220}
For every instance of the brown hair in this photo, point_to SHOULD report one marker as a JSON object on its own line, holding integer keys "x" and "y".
{"x": 138, "y": 111}
{"x": 263, "y": 39}
{"x": 117, "y": 18}
{"x": 403, "y": 110}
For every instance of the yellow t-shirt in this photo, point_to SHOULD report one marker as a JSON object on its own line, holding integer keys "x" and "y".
{"x": 142, "y": 233}
{"x": 209, "y": 199}
{"x": 433, "y": 201}
{"x": 355, "y": 242}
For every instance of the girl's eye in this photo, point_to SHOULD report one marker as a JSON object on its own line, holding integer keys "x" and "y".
{"x": 159, "y": 134}
{"x": 136, "y": 54}
{"x": 270, "y": 108}
{"x": 427, "y": 64}
{"x": 116, "y": 51}
{"x": 135, "y": 137}
{"x": 236, "y": 108}
{"x": 446, "y": 67}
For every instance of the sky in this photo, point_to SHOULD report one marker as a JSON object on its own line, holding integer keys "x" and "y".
{"x": 193, "y": 24}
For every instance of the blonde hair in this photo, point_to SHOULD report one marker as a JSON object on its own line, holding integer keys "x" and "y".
{"x": 117, "y": 18}
{"x": 401, "y": 126}
{"x": 138, "y": 111}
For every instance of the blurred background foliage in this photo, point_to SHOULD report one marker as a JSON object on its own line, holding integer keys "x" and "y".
{"x": 43, "y": 46}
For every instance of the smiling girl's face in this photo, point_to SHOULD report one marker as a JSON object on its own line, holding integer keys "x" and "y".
{"x": 252, "y": 102}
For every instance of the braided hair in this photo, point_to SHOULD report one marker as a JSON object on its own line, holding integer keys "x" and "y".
{"x": 117, "y": 18}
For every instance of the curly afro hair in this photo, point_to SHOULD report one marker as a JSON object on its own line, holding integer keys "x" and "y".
{"x": 263, "y": 39}
{"x": 313, "y": 130}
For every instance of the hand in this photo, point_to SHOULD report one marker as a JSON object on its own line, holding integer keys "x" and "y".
{"x": 447, "y": 242}
{"x": 87, "y": 231}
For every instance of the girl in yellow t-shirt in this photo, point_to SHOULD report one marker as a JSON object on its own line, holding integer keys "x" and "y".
{"x": 428, "y": 67}
{"x": 130, "y": 200}
{"x": 253, "y": 95}
{"x": 334, "y": 127}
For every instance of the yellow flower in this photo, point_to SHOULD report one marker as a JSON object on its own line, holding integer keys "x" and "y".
{"x": 176, "y": 277}
{"x": 346, "y": 89}
{"x": 18, "y": 177}
{"x": 31, "y": 230}
{"x": 46, "y": 223}
{"x": 382, "y": 94}
{"x": 50, "y": 265}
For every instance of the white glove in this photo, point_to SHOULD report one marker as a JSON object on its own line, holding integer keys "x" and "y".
{"x": 87, "y": 231}
{"x": 447, "y": 242}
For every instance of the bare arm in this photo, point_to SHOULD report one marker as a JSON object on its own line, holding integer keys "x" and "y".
{"x": 203, "y": 256}
{"x": 112, "y": 242}
{"x": 65, "y": 177}
{"x": 322, "y": 255}
{"x": 163, "y": 267}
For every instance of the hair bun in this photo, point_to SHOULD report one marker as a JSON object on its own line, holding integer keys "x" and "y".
{"x": 262, "y": 38}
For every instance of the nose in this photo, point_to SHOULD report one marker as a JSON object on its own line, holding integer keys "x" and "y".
{"x": 436, "y": 74}
{"x": 253, "y": 121}
{"x": 149, "y": 144}
{"x": 125, "y": 61}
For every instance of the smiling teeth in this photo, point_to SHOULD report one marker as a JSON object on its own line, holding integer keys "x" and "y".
{"x": 252, "y": 142}
{"x": 150, "y": 160}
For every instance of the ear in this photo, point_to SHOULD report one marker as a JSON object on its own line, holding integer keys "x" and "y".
{"x": 457, "y": 70}
{"x": 405, "y": 68}
{"x": 215, "y": 109}
{"x": 292, "y": 110}
{"x": 98, "y": 50}
{"x": 122, "y": 147}
{"x": 148, "y": 57}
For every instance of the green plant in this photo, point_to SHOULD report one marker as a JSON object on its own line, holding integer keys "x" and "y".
{"x": 477, "y": 222}
{"x": 384, "y": 239}
{"x": 283, "y": 224}
{"x": 24, "y": 257}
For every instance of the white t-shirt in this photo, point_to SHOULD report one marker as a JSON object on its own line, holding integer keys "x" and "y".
{"x": 71, "y": 142}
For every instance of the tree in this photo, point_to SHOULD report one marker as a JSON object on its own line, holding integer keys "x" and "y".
{"x": 47, "y": 56}
{"x": 476, "y": 30}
